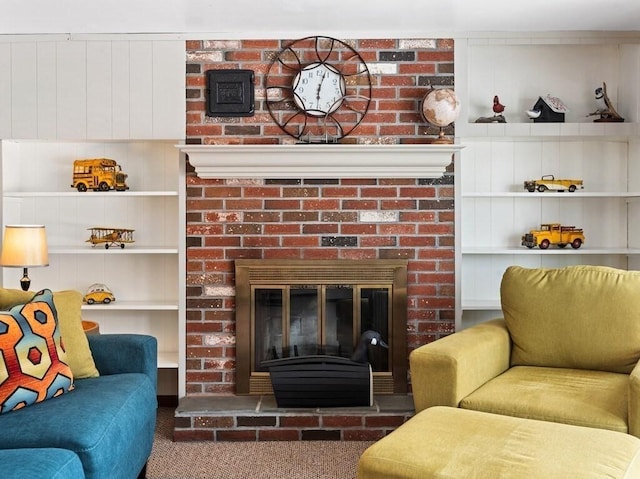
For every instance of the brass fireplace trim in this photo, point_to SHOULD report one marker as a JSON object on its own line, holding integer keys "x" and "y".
{"x": 361, "y": 272}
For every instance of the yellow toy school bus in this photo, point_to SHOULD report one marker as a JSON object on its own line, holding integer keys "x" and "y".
{"x": 98, "y": 174}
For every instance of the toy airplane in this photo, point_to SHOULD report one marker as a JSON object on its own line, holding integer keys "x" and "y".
{"x": 110, "y": 236}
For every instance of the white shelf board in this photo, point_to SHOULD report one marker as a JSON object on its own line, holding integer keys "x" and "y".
{"x": 557, "y": 131}
{"x": 574, "y": 195}
{"x": 133, "y": 306}
{"x": 88, "y": 194}
{"x": 168, "y": 359}
{"x": 129, "y": 249}
{"x": 552, "y": 250}
{"x": 481, "y": 304}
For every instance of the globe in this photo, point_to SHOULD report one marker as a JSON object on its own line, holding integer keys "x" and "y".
{"x": 440, "y": 107}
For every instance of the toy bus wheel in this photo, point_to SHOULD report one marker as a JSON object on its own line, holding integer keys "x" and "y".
{"x": 562, "y": 245}
{"x": 544, "y": 244}
{"x": 576, "y": 243}
{"x": 572, "y": 188}
{"x": 122, "y": 245}
{"x": 104, "y": 186}
{"x": 81, "y": 187}
{"x": 90, "y": 301}
{"x": 106, "y": 300}
{"x": 106, "y": 246}
{"x": 542, "y": 188}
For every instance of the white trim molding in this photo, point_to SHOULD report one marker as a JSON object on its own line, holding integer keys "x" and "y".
{"x": 320, "y": 160}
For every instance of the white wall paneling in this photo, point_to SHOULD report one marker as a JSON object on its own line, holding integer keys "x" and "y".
{"x": 107, "y": 88}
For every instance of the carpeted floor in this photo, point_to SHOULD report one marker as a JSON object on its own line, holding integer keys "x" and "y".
{"x": 249, "y": 460}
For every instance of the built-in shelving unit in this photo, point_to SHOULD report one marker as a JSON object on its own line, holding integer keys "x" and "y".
{"x": 493, "y": 210}
{"x": 146, "y": 276}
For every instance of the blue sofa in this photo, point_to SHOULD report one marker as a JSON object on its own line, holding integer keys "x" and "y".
{"x": 103, "y": 429}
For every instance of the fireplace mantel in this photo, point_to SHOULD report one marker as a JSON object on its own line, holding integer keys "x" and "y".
{"x": 320, "y": 160}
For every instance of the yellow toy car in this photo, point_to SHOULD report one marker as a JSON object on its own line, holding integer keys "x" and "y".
{"x": 98, "y": 293}
{"x": 551, "y": 183}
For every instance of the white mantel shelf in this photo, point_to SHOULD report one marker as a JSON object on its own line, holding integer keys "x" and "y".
{"x": 320, "y": 161}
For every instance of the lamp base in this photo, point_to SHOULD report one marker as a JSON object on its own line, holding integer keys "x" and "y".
{"x": 25, "y": 282}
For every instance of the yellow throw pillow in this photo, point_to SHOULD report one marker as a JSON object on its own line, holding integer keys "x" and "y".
{"x": 68, "y": 304}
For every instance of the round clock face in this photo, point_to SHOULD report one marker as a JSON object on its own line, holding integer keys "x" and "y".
{"x": 318, "y": 89}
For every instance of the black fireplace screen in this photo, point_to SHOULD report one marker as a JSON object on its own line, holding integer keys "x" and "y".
{"x": 303, "y": 320}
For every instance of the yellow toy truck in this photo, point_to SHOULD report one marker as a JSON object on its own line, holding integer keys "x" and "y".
{"x": 556, "y": 234}
{"x": 98, "y": 174}
{"x": 550, "y": 183}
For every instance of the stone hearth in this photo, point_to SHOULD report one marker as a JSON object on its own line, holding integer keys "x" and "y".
{"x": 257, "y": 418}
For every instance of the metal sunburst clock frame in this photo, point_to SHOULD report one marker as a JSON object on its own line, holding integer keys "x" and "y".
{"x": 318, "y": 89}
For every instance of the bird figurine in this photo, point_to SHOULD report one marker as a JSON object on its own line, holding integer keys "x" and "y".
{"x": 533, "y": 114}
{"x": 497, "y": 117}
{"x": 369, "y": 337}
{"x": 604, "y": 106}
{"x": 601, "y": 103}
{"x": 498, "y": 108}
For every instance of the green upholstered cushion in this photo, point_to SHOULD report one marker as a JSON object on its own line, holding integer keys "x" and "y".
{"x": 449, "y": 443}
{"x": 571, "y": 396}
{"x": 68, "y": 304}
{"x": 585, "y": 317}
{"x": 33, "y": 361}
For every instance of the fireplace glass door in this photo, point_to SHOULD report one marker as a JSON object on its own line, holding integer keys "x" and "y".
{"x": 306, "y": 320}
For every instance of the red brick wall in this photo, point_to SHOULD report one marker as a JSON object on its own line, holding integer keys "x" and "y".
{"x": 315, "y": 219}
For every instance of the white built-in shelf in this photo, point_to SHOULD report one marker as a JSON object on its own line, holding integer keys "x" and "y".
{"x": 493, "y": 209}
{"x": 146, "y": 276}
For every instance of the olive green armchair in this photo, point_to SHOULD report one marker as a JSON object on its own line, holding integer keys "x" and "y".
{"x": 566, "y": 351}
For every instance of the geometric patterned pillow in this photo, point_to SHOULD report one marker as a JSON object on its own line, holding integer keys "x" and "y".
{"x": 33, "y": 362}
{"x": 68, "y": 304}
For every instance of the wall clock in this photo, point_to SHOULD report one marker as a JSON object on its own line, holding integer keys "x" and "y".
{"x": 318, "y": 89}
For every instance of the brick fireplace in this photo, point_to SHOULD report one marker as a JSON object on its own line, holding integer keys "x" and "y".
{"x": 328, "y": 218}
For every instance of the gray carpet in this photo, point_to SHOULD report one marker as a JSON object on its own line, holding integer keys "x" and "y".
{"x": 249, "y": 460}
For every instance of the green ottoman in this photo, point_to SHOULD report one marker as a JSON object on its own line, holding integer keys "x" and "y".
{"x": 445, "y": 442}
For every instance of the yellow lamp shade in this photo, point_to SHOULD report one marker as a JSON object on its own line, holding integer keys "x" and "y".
{"x": 24, "y": 246}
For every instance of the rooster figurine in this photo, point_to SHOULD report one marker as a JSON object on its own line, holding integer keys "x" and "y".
{"x": 497, "y": 117}
{"x": 498, "y": 108}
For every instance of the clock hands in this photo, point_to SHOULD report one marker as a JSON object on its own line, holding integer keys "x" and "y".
{"x": 324, "y": 75}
